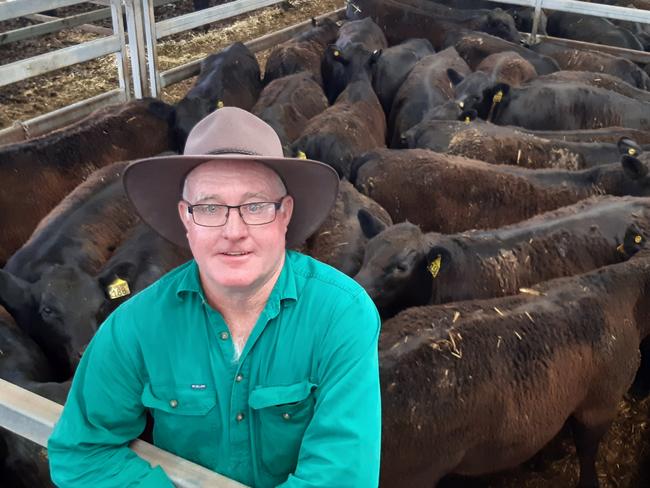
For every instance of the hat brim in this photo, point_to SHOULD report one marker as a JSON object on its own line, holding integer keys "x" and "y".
{"x": 155, "y": 185}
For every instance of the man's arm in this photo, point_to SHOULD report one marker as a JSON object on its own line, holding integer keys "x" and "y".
{"x": 102, "y": 415}
{"x": 341, "y": 445}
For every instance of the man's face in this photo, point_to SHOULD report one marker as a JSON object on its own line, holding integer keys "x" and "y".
{"x": 236, "y": 257}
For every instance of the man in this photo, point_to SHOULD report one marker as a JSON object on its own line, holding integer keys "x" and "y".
{"x": 256, "y": 362}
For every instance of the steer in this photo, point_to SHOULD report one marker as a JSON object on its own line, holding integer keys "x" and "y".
{"x": 403, "y": 267}
{"x": 448, "y": 194}
{"x": 405, "y": 19}
{"x": 508, "y": 145}
{"x": 230, "y": 77}
{"x": 582, "y": 60}
{"x": 340, "y": 241}
{"x": 426, "y": 87}
{"x": 480, "y": 386}
{"x": 45, "y": 284}
{"x": 394, "y": 65}
{"x": 344, "y": 60}
{"x": 288, "y": 103}
{"x": 38, "y": 173}
{"x": 353, "y": 125}
{"x": 301, "y": 53}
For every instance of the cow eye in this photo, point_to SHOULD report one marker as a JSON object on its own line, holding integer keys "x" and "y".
{"x": 401, "y": 268}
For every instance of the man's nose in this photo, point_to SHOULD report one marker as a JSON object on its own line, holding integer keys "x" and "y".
{"x": 235, "y": 227}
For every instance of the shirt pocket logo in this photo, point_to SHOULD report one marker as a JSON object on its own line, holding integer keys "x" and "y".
{"x": 281, "y": 415}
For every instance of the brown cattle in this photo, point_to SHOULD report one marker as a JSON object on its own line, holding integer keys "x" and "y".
{"x": 288, "y": 103}
{"x": 353, "y": 125}
{"x": 480, "y": 386}
{"x": 340, "y": 241}
{"x": 38, "y": 173}
{"x": 508, "y": 67}
{"x": 397, "y": 267}
{"x": 302, "y": 52}
{"x": 596, "y": 61}
{"x": 443, "y": 193}
{"x": 509, "y": 145}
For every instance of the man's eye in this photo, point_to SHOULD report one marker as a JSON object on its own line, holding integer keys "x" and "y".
{"x": 255, "y": 207}
{"x": 210, "y": 209}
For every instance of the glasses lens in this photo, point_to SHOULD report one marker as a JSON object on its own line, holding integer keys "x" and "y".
{"x": 258, "y": 213}
{"x": 210, "y": 215}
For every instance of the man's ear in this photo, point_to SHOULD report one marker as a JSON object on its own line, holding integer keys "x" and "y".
{"x": 287, "y": 209}
{"x": 184, "y": 215}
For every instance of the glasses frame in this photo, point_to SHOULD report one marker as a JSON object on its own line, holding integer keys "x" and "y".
{"x": 190, "y": 210}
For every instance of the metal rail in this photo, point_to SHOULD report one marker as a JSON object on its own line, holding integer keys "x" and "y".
{"x": 33, "y": 417}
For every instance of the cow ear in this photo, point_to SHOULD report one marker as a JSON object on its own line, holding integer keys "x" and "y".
{"x": 454, "y": 76}
{"x": 15, "y": 293}
{"x": 370, "y": 225}
{"x": 468, "y": 115}
{"x": 438, "y": 260}
{"x": 374, "y": 57}
{"x": 336, "y": 55}
{"x": 627, "y": 146}
{"x": 633, "y": 241}
{"x": 632, "y": 166}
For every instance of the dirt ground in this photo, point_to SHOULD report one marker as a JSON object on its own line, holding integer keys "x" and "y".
{"x": 30, "y": 98}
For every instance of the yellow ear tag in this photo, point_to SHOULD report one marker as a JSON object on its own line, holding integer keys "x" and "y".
{"x": 631, "y": 151}
{"x": 467, "y": 120}
{"x": 118, "y": 289}
{"x": 301, "y": 155}
{"x": 336, "y": 53}
{"x": 498, "y": 97}
{"x": 621, "y": 249}
{"x": 461, "y": 104}
{"x": 434, "y": 267}
{"x": 219, "y": 103}
{"x": 638, "y": 239}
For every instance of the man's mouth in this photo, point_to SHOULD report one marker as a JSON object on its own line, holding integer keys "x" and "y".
{"x": 235, "y": 253}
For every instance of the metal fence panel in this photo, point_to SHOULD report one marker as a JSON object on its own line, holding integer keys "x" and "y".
{"x": 10, "y": 9}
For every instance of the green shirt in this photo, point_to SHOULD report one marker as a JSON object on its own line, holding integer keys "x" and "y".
{"x": 300, "y": 408}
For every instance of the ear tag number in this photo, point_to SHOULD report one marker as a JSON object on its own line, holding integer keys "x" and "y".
{"x": 498, "y": 97}
{"x": 118, "y": 289}
{"x": 434, "y": 266}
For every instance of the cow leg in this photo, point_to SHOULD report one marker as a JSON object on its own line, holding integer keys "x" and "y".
{"x": 587, "y": 439}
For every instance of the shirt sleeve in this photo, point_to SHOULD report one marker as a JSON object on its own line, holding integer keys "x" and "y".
{"x": 103, "y": 413}
{"x": 341, "y": 446}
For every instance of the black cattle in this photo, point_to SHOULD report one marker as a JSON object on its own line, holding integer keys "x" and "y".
{"x": 588, "y": 28}
{"x": 595, "y": 61}
{"x": 600, "y": 80}
{"x": 38, "y": 173}
{"x": 45, "y": 283}
{"x": 288, "y": 103}
{"x": 340, "y": 241}
{"x": 394, "y": 65}
{"x": 426, "y": 87}
{"x": 404, "y": 267}
{"x": 230, "y": 77}
{"x": 405, "y": 19}
{"x": 449, "y": 194}
{"x": 344, "y": 60}
{"x": 474, "y": 47}
{"x": 301, "y": 53}
{"x": 508, "y": 145}
{"x": 480, "y": 386}
{"x": 559, "y": 107}
{"x": 353, "y": 125}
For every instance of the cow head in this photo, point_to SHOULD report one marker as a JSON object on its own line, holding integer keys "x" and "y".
{"x": 187, "y": 114}
{"x": 393, "y": 271}
{"x": 341, "y": 66}
{"x": 634, "y": 167}
{"x": 500, "y": 24}
{"x": 58, "y": 311}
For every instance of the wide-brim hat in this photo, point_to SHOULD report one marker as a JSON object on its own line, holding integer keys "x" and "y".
{"x": 155, "y": 185}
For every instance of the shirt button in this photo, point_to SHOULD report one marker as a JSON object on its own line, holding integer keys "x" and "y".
{"x": 240, "y": 417}
{"x": 173, "y": 403}
{"x": 286, "y": 416}
{"x": 224, "y": 336}
{"x": 239, "y": 377}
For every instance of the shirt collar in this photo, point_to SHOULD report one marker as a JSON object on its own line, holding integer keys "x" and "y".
{"x": 285, "y": 288}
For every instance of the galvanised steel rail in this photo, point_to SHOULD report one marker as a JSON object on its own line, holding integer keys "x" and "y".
{"x": 33, "y": 417}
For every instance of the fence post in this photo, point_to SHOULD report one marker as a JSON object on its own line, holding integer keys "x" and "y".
{"x": 538, "y": 14}
{"x": 135, "y": 30}
{"x": 121, "y": 57}
{"x": 152, "y": 49}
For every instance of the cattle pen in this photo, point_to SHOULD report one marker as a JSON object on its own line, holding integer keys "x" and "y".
{"x": 133, "y": 43}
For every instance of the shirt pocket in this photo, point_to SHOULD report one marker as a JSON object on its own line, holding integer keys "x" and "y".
{"x": 281, "y": 416}
{"x": 186, "y": 421}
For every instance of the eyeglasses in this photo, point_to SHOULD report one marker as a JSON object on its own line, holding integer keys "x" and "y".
{"x": 214, "y": 215}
